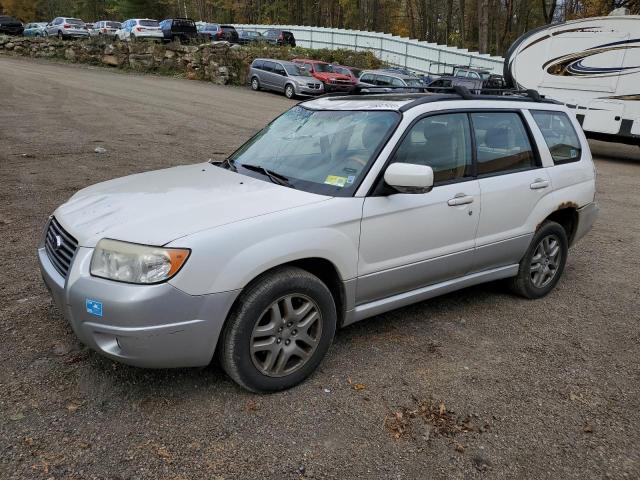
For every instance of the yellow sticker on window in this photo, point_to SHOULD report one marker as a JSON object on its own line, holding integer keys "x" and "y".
{"x": 336, "y": 180}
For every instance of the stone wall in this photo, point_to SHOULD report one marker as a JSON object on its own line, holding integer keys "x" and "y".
{"x": 220, "y": 63}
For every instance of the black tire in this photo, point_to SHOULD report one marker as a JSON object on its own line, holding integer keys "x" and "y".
{"x": 289, "y": 91}
{"x": 255, "y": 84}
{"x": 60, "y": 35}
{"x": 235, "y": 348}
{"x": 524, "y": 284}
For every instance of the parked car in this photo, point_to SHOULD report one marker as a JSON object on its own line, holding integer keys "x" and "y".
{"x": 34, "y": 29}
{"x": 297, "y": 242}
{"x": 139, "y": 29}
{"x": 446, "y": 83}
{"x": 182, "y": 29}
{"x": 388, "y": 78}
{"x": 66, "y": 27}
{"x": 249, "y": 36}
{"x": 323, "y": 71}
{"x": 219, "y": 33}
{"x": 106, "y": 28}
{"x": 286, "y": 77}
{"x": 10, "y": 25}
{"x": 351, "y": 72}
{"x": 279, "y": 37}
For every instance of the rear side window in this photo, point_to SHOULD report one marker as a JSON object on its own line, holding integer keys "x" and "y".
{"x": 442, "y": 142}
{"x": 502, "y": 143}
{"x": 560, "y": 136}
{"x": 258, "y": 64}
{"x": 269, "y": 66}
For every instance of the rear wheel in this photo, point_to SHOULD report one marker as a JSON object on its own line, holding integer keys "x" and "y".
{"x": 255, "y": 84}
{"x": 289, "y": 91}
{"x": 60, "y": 35}
{"x": 279, "y": 332}
{"x": 543, "y": 264}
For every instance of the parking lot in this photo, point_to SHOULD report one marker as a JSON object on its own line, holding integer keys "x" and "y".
{"x": 475, "y": 384}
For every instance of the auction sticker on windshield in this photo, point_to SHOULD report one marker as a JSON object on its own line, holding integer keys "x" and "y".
{"x": 336, "y": 180}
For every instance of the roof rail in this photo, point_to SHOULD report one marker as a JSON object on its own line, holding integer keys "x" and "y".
{"x": 435, "y": 94}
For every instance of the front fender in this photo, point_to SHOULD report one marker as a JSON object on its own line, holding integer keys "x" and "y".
{"x": 229, "y": 257}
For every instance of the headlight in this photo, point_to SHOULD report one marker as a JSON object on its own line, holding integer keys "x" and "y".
{"x": 134, "y": 263}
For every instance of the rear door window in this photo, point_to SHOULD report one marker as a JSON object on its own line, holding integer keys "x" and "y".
{"x": 502, "y": 143}
{"x": 258, "y": 64}
{"x": 559, "y": 134}
{"x": 269, "y": 66}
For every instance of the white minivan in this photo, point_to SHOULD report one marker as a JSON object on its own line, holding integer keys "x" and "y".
{"x": 342, "y": 208}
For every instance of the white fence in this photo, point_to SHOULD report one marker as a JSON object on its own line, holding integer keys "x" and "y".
{"x": 415, "y": 55}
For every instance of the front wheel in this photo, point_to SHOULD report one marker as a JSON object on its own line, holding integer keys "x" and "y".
{"x": 289, "y": 91}
{"x": 279, "y": 331}
{"x": 255, "y": 84}
{"x": 543, "y": 263}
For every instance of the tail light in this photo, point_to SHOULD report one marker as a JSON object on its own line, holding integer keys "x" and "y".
{"x": 104, "y": 30}
{"x": 219, "y": 34}
{"x": 138, "y": 29}
{"x": 66, "y": 26}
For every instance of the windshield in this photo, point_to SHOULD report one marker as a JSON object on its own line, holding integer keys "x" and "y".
{"x": 74, "y": 21}
{"x": 113, "y": 24}
{"x": 210, "y": 28}
{"x": 148, "y": 23}
{"x": 341, "y": 70}
{"x": 295, "y": 70}
{"x": 325, "y": 152}
{"x": 323, "y": 67}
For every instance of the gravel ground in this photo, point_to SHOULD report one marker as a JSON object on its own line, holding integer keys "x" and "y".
{"x": 475, "y": 384}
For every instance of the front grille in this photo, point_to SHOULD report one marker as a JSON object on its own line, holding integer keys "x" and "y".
{"x": 60, "y": 247}
{"x": 313, "y": 85}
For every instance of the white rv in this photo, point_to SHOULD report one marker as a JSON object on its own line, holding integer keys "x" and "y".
{"x": 592, "y": 65}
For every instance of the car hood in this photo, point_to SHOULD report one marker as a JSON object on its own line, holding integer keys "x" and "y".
{"x": 331, "y": 76}
{"x": 303, "y": 79}
{"x": 155, "y": 208}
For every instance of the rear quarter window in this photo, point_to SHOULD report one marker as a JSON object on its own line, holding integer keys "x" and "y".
{"x": 559, "y": 134}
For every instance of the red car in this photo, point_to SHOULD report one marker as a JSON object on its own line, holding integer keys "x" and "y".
{"x": 352, "y": 72}
{"x": 323, "y": 71}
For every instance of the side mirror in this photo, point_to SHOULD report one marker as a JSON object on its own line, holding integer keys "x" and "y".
{"x": 409, "y": 177}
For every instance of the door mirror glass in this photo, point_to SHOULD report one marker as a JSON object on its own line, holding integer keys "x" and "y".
{"x": 409, "y": 177}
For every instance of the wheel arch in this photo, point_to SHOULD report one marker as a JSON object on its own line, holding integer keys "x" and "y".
{"x": 320, "y": 267}
{"x": 567, "y": 216}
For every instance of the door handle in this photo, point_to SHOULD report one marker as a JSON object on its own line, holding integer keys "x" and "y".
{"x": 460, "y": 199}
{"x": 539, "y": 183}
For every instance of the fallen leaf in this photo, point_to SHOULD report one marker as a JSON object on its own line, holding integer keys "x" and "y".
{"x": 459, "y": 447}
{"x": 443, "y": 409}
{"x": 16, "y": 417}
{"x": 359, "y": 386}
{"x": 587, "y": 429}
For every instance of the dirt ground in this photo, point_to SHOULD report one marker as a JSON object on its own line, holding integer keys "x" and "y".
{"x": 475, "y": 384}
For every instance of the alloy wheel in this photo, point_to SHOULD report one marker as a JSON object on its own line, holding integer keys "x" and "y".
{"x": 546, "y": 259}
{"x": 286, "y": 335}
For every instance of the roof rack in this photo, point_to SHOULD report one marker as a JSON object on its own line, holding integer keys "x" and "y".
{"x": 436, "y": 94}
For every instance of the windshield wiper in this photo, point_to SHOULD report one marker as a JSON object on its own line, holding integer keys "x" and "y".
{"x": 270, "y": 174}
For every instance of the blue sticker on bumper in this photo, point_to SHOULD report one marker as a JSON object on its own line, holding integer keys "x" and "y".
{"x": 94, "y": 307}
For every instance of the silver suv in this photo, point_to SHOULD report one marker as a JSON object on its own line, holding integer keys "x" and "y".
{"x": 65, "y": 27}
{"x": 282, "y": 76}
{"x": 342, "y": 208}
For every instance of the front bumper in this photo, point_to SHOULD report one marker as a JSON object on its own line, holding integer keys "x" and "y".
{"x": 586, "y": 218}
{"x": 305, "y": 90}
{"x": 153, "y": 326}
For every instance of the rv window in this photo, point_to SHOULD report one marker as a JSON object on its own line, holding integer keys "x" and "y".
{"x": 560, "y": 136}
{"x": 502, "y": 143}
